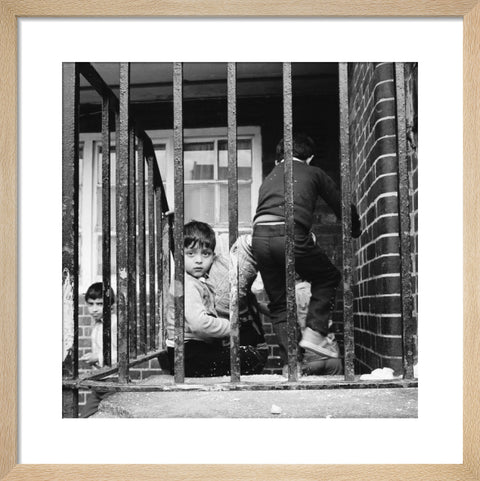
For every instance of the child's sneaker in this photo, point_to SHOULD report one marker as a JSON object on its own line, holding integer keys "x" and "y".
{"x": 324, "y": 345}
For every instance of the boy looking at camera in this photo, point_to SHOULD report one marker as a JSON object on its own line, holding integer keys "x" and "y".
{"x": 206, "y": 352}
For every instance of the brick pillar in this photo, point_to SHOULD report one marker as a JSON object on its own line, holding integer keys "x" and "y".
{"x": 377, "y": 307}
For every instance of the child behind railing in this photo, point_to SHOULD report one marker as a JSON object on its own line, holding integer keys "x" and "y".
{"x": 94, "y": 300}
{"x": 206, "y": 350}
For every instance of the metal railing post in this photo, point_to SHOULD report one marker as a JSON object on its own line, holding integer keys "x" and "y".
{"x": 70, "y": 213}
{"x": 151, "y": 248}
{"x": 404, "y": 218}
{"x": 179, "y": 284}
{"x": 142, "y": 259}
{"x": 159, "y": 318}
{"x": 132, "y": 245}
{"x": 123, "y": 151}
{"x": 289, "y": 222}
{"x": 349, "y": 345}
{"x": 166, "y": 265}
{"x": 106, "y": 227}
{"x": 233, "y": 217}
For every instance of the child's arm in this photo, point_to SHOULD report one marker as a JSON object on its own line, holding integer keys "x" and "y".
{"x": 199, "y": 320}
{"x": 356, "y": 225}
{"x": 90, "y": 358}
{"x": 329, "y": 192}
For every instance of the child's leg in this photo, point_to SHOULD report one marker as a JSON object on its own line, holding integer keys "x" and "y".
{"x": 313, "y": 264}
{"x": 323, "y": 367}
{"x": 251, "y": 327}
{"x": 209, "y": 360}
{"x": 204, "y": 359}
{"x": 273, "y": 277}
{"x": 268, "y": 245}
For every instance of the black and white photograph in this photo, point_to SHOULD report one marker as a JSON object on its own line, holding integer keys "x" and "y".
{"x": 240, "y": 240}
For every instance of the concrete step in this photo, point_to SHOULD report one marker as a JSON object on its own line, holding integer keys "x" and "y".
{"x": 380, "y": 402}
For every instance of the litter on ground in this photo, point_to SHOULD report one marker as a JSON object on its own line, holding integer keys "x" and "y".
{"x": 276, "y": 409}
{"x": 383, "y": 373}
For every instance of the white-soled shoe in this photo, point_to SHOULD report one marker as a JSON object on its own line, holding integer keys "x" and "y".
{"x": 324, "y": 345}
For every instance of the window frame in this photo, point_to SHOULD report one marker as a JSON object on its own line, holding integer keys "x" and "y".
{"x": 88, "y": 209}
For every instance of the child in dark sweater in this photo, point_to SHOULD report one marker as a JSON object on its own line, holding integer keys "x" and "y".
{"x": 311, "y": 263}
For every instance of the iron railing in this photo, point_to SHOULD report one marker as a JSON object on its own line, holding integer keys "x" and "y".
{"x": 165, "y": 236}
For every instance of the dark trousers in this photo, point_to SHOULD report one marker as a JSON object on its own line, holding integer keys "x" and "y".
{"x": 323, "y": 367}
{"x": 204, "y": 359}
{"x": 311, "y": 263}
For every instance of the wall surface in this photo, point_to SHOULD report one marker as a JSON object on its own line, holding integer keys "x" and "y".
{"x": 373, "y": 147}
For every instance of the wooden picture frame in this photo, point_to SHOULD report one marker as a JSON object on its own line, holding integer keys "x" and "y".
{"x": 10, "y": 10}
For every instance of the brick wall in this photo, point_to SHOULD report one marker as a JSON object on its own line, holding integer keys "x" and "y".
{"x": 274, "y": 364}
{"x": 377, "y": 306}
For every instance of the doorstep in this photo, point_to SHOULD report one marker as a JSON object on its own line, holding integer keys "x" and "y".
{"x": 310, "y": 397}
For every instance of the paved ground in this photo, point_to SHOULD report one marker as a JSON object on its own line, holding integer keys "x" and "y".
{"x": 319, "y": 403}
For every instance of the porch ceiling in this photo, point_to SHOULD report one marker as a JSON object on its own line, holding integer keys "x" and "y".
{"x": 152, "y": 82}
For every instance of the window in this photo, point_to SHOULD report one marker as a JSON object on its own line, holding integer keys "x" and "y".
{"x": 97, "y": 231}
{"x": 206, "y": 181}
{"x": 206, "y": 186}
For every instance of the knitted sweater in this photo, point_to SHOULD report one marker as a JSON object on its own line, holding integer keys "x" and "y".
{"x": 309, "y": 183}
{"x": 201, "y": 321}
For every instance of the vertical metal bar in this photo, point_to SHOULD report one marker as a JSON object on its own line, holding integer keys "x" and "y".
{"x": 166, "y": 267}
{"x": 132, "y": 247}
{"x": 70, "y": 203}
{"x": 106, "y": 252}
{"x": 117, "y": 153}
{"x": 151, "y": 250}
{"x": 289, "y": 222}
{"x": 349, "y": 344}
{"x": 404, "y": 216}
{"x": 159, "y": 319}
{"x": 179, "y": 220}
{"x": 122, "y": 222}
{"x": 233, "y": 217}
{"x": 142, "y": 260}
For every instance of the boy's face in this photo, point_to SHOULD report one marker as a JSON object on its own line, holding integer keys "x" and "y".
{"x": 198, "y": 260}
{"x": 95, "y": 308}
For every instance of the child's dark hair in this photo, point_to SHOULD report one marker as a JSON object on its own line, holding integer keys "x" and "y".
{"x": 196, "y": 233}
{"x": 303, "y": 147}
{"x": 95, "y": 291}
